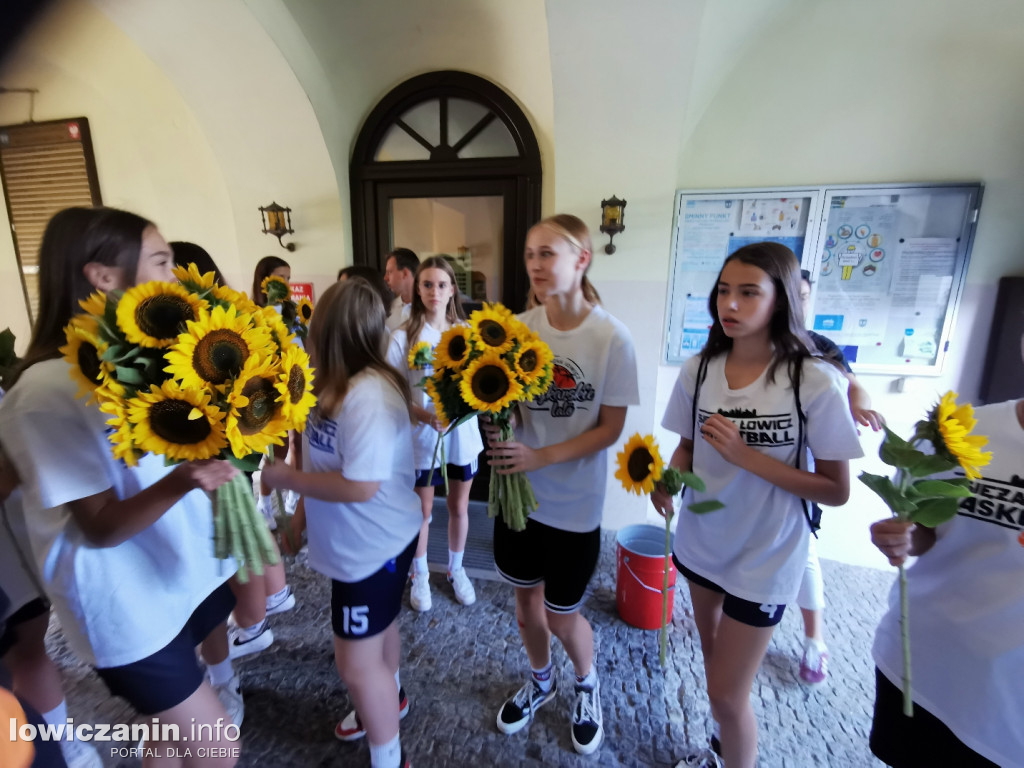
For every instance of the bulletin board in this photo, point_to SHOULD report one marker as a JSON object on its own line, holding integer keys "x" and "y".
{"x": 888, "y": 264}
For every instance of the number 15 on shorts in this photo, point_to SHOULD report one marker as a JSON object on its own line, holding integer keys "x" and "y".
{"x": 355, "y": 620}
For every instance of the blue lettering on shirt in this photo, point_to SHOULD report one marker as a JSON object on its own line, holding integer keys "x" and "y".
{"x": 321, "y": 433}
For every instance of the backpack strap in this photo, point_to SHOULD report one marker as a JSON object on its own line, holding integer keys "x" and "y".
{"x": 801, "y": 447}
{"x": 702, "y": 373}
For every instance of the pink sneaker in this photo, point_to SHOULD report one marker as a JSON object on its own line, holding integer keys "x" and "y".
{"x": 814, "y": 664}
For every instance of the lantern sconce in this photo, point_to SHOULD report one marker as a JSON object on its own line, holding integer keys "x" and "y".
{"x": 277, "y": 221}
{"x": 612, "y": 214}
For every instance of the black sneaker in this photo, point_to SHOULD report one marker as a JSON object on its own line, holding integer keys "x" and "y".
{"x": 518, "y": 711}
{"x": 587, "y": 728}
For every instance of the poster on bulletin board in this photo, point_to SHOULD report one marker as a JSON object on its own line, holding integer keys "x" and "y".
{"x": 888, "y": 264}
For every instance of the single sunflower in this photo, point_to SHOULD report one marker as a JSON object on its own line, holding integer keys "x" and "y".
{"x": 268, "y": 317}
{"x": 275, "y": 289}
{"x": 420, "y": 356}
{"x": 531, "y": 360}
{"x": 295, "y": 383}
{"x": 491, "y": 328}
{"x": 256, "y": 417}
{"x": 640, "y": 465}
{"x": 84, "y": 351}
{"x": 154, "y": 313}
{"x": 120, "y": 434}
{"x": 304, "y": 310}
{"x": 189, "y": 276}
{"x": 954, "y": 424}
{"x": 177, "y": 422}
{"x": 453, "y": 349}
{"x": 488, "y": 384}
{"x": 215, "y": 347}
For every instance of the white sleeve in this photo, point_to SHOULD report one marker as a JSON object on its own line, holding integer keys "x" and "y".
{"x": 367, "y": 432}
{"x": 621, "y": 387}
{"x": 398, "y": 351}
{"x": 831, "y": 433}
{"x": 678, "y": 416}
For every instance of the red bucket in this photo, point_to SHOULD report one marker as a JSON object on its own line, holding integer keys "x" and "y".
{"x": 640, "y": 553}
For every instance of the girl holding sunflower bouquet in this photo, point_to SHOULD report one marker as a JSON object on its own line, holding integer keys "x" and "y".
{"x": 435, "y": 308}
{"x": 748, "y": 410}
{"x": 363, "y": 516}
{"x": 124, "y": 551}
{"x": 563, "y": 437}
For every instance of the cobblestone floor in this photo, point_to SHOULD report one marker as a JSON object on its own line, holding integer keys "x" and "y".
{"x": 459, "y": 663}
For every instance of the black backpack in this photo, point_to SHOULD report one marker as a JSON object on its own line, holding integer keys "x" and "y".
{"x": 813, "y": 513}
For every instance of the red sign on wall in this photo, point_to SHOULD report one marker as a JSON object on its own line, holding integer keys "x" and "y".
{"x": 301, "y": 291}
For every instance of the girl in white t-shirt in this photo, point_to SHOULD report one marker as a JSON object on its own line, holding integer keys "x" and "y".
{"x": 563, "y": 437}
{"x": 435, "y": 308}
{"x": 362, "y": 514}
{"x": 761, "y": 403}
{"x": 124, "y": 553}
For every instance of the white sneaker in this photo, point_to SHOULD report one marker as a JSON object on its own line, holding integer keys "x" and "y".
{"x": 242, "y": 642}
{"x": 419, "y": 595}
{"x": 463, "y": 587}
{"x": 230, "y": 696}
{"x": 79, "y": 754}
{"x": 704, "y": 758}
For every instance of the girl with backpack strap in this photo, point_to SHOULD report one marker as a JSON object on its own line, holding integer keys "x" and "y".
{"x": 748, "y": 409}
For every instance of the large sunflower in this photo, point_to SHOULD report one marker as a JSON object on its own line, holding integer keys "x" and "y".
{"x": 84, "y": 351}
{"x": 120, "y": 435}
{"x": 640, "y": 465}
{"x": 488, "y": 384}
{"x": 295, "y": 383}
{"x": 193, "y": 280}
{"x": 179, "y": 423}
{"x": 275, "y": 289}
{"x": 491, "y": 328}
{"x": 256, "y": 419}
{"x": 954, "y": 424}
{"x": 453, "y": 348}
{"x": 215, "y": 347}
{"x": 154, "y": 313}
{"x": 531, "y": 360}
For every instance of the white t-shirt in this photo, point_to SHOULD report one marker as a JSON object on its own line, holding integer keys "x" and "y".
{"x": 369, "y": 440}
{"x": 463, "y": 445}
{"x": 116, "y": 604}
{"x": 966, "y": 598}
{"x": 756, "y": 547}
{"x": 595, "y": 365}
{"x": 399, "y": 314}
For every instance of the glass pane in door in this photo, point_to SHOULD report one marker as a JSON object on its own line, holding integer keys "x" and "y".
{"x": 467, "y": 231}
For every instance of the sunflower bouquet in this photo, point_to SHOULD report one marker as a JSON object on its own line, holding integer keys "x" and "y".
{"x": 296, "y": 315}
{"x": 488, "y": 367}
{"x": 640, "y": 469}
{"x": 913, "y": 496}
{"x": 191, "y": 371}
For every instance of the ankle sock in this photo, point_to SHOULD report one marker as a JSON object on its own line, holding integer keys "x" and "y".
{"x": 386, "y": 755}
{"x": 419, "y": 565}
{"x": 58, "y": 715}
{"x": 589, "y": 680}
{"x": 254, "y": 631}
{"x": 398, "y": 679}
{"x": 220, "y": 673}
{"x": 542, "y": 677}
{"x": 454, "y": 561}
{"x": 278, "y": 597}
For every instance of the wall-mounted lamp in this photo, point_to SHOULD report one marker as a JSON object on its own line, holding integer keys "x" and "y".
{"x": 277, "y": 221}
{"x": 612, "y": 214}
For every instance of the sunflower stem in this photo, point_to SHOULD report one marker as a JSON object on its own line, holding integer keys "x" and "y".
{"x": 444, "y": 464}
{"x": 908, "y": 701}
{"x": 663, "y": 644}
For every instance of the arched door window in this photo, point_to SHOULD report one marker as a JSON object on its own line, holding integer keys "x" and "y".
{"x": 447, "y": 164}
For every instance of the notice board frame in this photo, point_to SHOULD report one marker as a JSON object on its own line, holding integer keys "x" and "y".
{"x": 920, "y": 227}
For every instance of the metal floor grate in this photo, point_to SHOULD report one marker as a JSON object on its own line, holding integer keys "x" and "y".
{"x": 479, "y": 557}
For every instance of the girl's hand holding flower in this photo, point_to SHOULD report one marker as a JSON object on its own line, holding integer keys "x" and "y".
{"x": 207, "y": 475}
{"x": 662, "y": 501}
{"x": 894, "y": 538}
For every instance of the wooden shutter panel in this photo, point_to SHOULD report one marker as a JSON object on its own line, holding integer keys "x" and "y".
{"x": 44, "y": 167}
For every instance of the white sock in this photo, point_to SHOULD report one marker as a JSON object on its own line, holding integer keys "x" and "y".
{"x": 255, "y": 629}
{"x": 220, "y": 673}
{"x": 386, "y": 755}
{"x": 419, "y": 564}
{"x": 398, "y": 679}
{"x": 589, "y": 680}
{"x": 277, "y": 597}
{"x": 542, "y": 677}
{"x": 454, "y": 561}
{"x": 58, "y": 714}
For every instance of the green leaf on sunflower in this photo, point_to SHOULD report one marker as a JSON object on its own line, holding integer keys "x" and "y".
{"x": 897, "y": 452}
{"x": 889, "y": 493}
{"x": 931, "y": 465}
{"x": 932, "y": 512}
{"x": 672, "y": 480}
{"x": 129, "y": 376}
{"x": 690, "y": 480}
{"x": 703, "y": 507}
{"x": 249, "y": 464}
{"x": 940, "y": 489}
